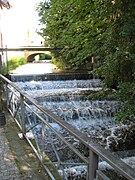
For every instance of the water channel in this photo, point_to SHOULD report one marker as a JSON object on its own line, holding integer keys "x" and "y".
{"x": 69, "y": 99}
{"x": 67, "y": 96}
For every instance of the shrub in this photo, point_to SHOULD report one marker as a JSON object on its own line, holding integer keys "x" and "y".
{"x": 44, "y": 56}
{"x": 15, "y": 62}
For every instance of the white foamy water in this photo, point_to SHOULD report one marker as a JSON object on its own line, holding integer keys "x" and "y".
{"x": 64, "y": 98}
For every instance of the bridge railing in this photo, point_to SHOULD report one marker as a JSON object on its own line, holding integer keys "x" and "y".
{"x": 39, "y": 124}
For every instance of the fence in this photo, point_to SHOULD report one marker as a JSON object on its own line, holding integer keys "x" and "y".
{"x": 29, "y": 114}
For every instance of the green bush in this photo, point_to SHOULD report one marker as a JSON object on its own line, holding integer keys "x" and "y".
{"x": 126, "y": 95}
{"x": 44, "y": 56}
{"x": 15, "y": 62}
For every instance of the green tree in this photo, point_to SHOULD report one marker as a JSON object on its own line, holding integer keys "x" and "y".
{"x": 66, "y": 24}
{"x": 118, "y": 56}
{"x": 118, "y": 45}
{"x": 101, "y": 29}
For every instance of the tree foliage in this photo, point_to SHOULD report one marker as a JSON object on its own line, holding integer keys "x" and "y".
{"x": 67, "y": 24}
{"x": 101, "y": 29}
{"x": 15, "y": 62}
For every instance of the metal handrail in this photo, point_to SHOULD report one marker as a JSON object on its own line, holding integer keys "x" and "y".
{"x": 96, "y": 152}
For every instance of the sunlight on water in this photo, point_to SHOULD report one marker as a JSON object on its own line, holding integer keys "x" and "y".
{"x": 34, "y": 68}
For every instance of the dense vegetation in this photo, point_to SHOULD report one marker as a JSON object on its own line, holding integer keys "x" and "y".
{"x": 104, "y": 30}
{"x": 44, "y": 56}
{"x": 13, "y": 63}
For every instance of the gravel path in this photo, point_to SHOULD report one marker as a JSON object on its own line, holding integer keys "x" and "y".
{"x": 8, "y": 168}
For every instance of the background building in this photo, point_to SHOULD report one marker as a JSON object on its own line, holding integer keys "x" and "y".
{"x": 19, "y": 24}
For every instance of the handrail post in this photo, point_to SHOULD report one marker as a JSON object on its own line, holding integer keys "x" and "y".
{"x": 43, "y": 137}
{"x": 7, "y": 92}
{"x": 93, "y": 165}
{"x": 22, "y": 114}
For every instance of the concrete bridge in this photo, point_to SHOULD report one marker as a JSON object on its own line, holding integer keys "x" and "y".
{"x": 30, "y": 52}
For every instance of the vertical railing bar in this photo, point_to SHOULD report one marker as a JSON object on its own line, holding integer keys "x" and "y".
{"x": 43, "y": 138}
{"x": 19, "y": 118}
{"x": 54, "y": 149}
{"x": 35, "y": 119}
{"x": 93, "y": 165}
{"x": 39, "y": 157}
{"x": 34, "y": 115}
{"x": 29, "y": 120}
{"x": 10, "y": 98}
{"x": 15, "y": 113}
{"x": 7, "y": 94}
{"x": 22, "y": 114}
{"x": 38, "y": 148}
{"x": 13, "y": 104}
{"x": 15, "y": 119}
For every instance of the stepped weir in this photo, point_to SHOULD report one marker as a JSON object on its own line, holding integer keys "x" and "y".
{"x": 62, "y": 119}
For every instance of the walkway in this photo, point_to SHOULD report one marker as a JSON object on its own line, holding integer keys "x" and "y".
{"x": 17, "y": 159}
{"x": 8, "y": 168}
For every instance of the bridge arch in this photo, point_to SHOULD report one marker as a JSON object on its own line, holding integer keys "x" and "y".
{"x": 30, "y": 55}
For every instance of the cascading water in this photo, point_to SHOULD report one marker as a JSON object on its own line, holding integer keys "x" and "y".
{"x": 69, "y": 99}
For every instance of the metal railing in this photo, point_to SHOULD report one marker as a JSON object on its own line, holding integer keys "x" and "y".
{"x": 29, "y": 114}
